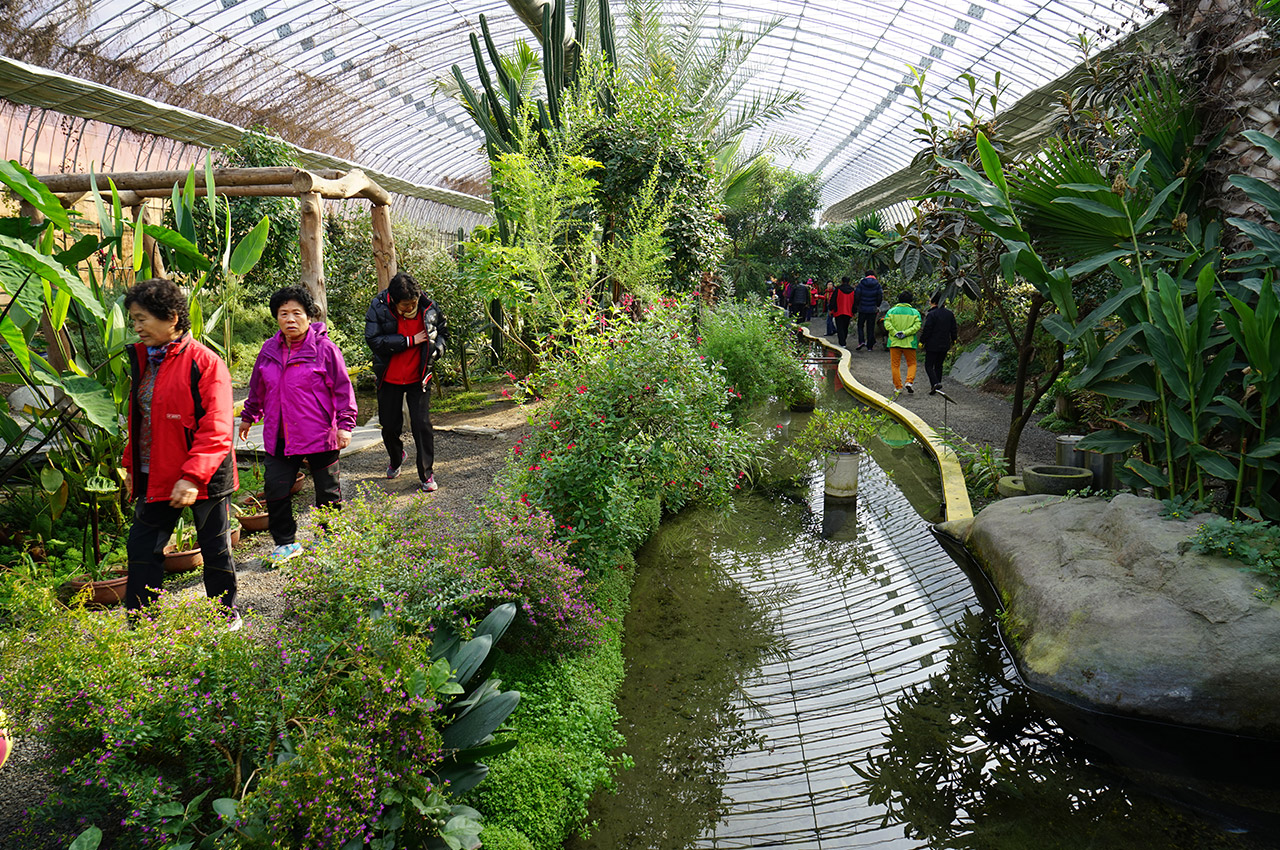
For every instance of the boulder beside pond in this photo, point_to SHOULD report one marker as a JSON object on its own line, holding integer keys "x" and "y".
{"x": 1107, "y": 605}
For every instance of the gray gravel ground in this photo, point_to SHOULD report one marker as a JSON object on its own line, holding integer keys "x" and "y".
{"x": 980, "y": 417}
{"x": 465, "y": 467}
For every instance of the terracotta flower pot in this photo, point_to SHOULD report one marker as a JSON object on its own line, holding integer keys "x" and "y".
{"x": 297, "y": 484}
{"x": 235, "y": 533}
{"x": 253, "y": 522}
{"x": 182, "y": 562}
{"x": 102, "y": 592}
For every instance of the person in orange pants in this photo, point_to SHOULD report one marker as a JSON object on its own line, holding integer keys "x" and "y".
{"x": 902, "y": 324}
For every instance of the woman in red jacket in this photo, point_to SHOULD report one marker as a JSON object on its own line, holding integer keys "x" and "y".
{"x": 179, "y": 452}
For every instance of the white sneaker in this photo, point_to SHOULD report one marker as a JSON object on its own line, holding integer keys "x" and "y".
{"x": 908, "y": 386}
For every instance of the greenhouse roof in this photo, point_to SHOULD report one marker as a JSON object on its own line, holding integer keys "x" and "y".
{"x": 359, "y": 81}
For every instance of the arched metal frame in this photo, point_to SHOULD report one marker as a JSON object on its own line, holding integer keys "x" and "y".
{"x": 374, "y": 64}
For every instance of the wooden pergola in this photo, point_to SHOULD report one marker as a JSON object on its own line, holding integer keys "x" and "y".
{"x": 311, "y": 188}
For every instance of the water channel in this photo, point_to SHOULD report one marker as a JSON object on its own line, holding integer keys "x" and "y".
{"x": 805, "y": 674}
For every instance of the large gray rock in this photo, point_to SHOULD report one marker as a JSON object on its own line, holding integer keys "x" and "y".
{"x": 973, "y": 367}
{"x": 1105, "y": 606}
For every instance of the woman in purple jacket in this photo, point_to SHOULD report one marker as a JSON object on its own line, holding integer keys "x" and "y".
{"x": 301, "y": 391}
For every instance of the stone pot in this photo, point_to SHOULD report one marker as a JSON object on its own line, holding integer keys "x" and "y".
{"x": 182, "y": 562}
{"x": 840, "y": 475}
{"x": 102, "y": 592}
{"x": 1046, "y": 480}
{"x": 253, "y": 522}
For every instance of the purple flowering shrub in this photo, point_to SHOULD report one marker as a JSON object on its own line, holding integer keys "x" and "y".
{"x": 312, "y": 733}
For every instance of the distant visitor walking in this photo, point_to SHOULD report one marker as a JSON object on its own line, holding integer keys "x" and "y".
{"x": 843, "y": 302}
{"x": 869, "y": 297}
{"x": 799, "y": 298}
{"x": 407, "y": 333}
{"x": 302, "y": 394}
{"x": 901, "y": 325}
{"x": 937, "y": 336}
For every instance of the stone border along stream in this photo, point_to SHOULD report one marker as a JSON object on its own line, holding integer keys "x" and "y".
{"x": 955, "y": 495}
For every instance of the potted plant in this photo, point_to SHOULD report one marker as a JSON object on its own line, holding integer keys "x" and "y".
{"x": 834, "y": 436}
{"x": 183, "y": 552}
{"x": 251, "y": 513}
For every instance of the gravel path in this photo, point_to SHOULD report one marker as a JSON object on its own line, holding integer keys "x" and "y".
{"x": 980, "y": 417}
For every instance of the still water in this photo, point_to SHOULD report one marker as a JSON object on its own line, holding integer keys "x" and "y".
{"x": 811, "y": 675}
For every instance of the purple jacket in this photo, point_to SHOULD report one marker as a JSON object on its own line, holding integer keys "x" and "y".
{"x": 313, "y": 394}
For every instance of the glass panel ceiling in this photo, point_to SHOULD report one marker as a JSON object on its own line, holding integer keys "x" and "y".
{"x": 360, "y": 76}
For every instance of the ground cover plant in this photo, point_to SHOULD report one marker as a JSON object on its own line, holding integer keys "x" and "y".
{"x": 341, "y": 723}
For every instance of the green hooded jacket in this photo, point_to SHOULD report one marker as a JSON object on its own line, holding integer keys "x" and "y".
{"x": 904, "y": 318}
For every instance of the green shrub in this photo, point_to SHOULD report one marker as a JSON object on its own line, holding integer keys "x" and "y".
{"x": 755, "y": 344}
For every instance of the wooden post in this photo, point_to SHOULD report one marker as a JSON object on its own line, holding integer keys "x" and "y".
{"x": 384, "y": 246}
{"x": 311, "y": 242}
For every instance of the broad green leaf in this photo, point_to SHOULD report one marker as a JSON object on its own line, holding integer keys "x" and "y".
{"x": 476, "y": 726}
{"x": 1264, "y": 239}
{"x": 1135, "y": 173}
{"x": 1105, "y": 309}
{"x": 1262, "y": 140}
{"x": 138, "y": 242}
{"x": 1153, "y": 209}
{"x": 1057, "y": 327}
{"x": 58, "y": 312}
{"x": 51, "y": 479}
{"x": 1150, "y": 474}
{"x": 1236, "y": 409}
{"x": 87, "y": 840}
{"x": 1089, "y": 205}
{"x": 1124, "y": 391}
{"x": 117, "y": 213}
{"x": 22, "y": 254}
{"x": 1086, "y": 187}
{"x": 1270, "y": 448}
{"x": 26, "y": 186}
{"x": 470, "y": 656}
{"x": 1259, "y": 192}
{"x": 179, "y": 243}
{"x": 1096, "y": 262}
{"x": 1109, "y": 351}
{"x": 1181, "y": 423}
{"x": 83, "y": 249}
{"x": 210, "y": 191}
{"x": 95, "y": 400}
{"x": 104, "y": 221}
{"x": 991, "y": 164}
{"x": 1214, "y": 463}
{"x": 17, "y": 342}
{"x": 169, "y": 810}
{"x": 249, "y": 251}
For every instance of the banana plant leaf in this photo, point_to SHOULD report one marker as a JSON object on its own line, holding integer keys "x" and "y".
{"x": 28, "y": 258}
{"x": 24, "y": 184}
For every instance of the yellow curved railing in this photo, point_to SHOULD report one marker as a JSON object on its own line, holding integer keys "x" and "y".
{"x": 955, "y": 496}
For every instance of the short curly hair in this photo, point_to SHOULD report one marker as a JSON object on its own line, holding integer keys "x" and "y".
{"x": 162, "y": 299}
{"x": 294, "y": 293}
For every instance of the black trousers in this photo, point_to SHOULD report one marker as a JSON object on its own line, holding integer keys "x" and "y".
{"x": 153, "y": 522}
{"x": 279, "y": 473}
{"x": 390, "y": 400}
{"x": 933, "y": 367}
{"x": 842, "y": 329}
{"x": 867, "y": 330}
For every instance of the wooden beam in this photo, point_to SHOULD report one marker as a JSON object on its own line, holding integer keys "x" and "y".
{"x": 132, "y": 197}
{"x": 353, "y": 184}
{"x": 384, "y": 245}
{"x": 165, "y": 179}
{"x": 311, "y": 245}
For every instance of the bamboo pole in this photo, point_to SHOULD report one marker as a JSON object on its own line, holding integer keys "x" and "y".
{"x": 384, "y": 245}
{"x": 311, "y": 245}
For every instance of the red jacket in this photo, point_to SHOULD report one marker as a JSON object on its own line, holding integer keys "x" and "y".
{"x": 191, "y": 422}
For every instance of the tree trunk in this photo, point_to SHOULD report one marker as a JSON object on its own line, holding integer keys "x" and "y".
{"x": 1019, "y": 413}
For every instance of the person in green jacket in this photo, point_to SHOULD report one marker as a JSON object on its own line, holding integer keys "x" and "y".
{"x": 901, "y": 325}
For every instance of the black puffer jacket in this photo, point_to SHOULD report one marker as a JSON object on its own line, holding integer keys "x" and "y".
{"x": 381, "y": 331}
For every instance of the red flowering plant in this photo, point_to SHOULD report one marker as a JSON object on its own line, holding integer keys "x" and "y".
{"x": 634, "y": 421}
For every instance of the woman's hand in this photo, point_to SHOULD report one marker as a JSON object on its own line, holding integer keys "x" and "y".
{"x": 419, "y": 338}
{"x": 344, "y": 439}
{"x": 244, "y": 430}
{"x": 184, "y": 494}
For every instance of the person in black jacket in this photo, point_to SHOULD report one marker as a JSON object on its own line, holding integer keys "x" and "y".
{"x": 937, "y": 336}
{"x": 870, "y": 294}
{"x": 407, "y": 333}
